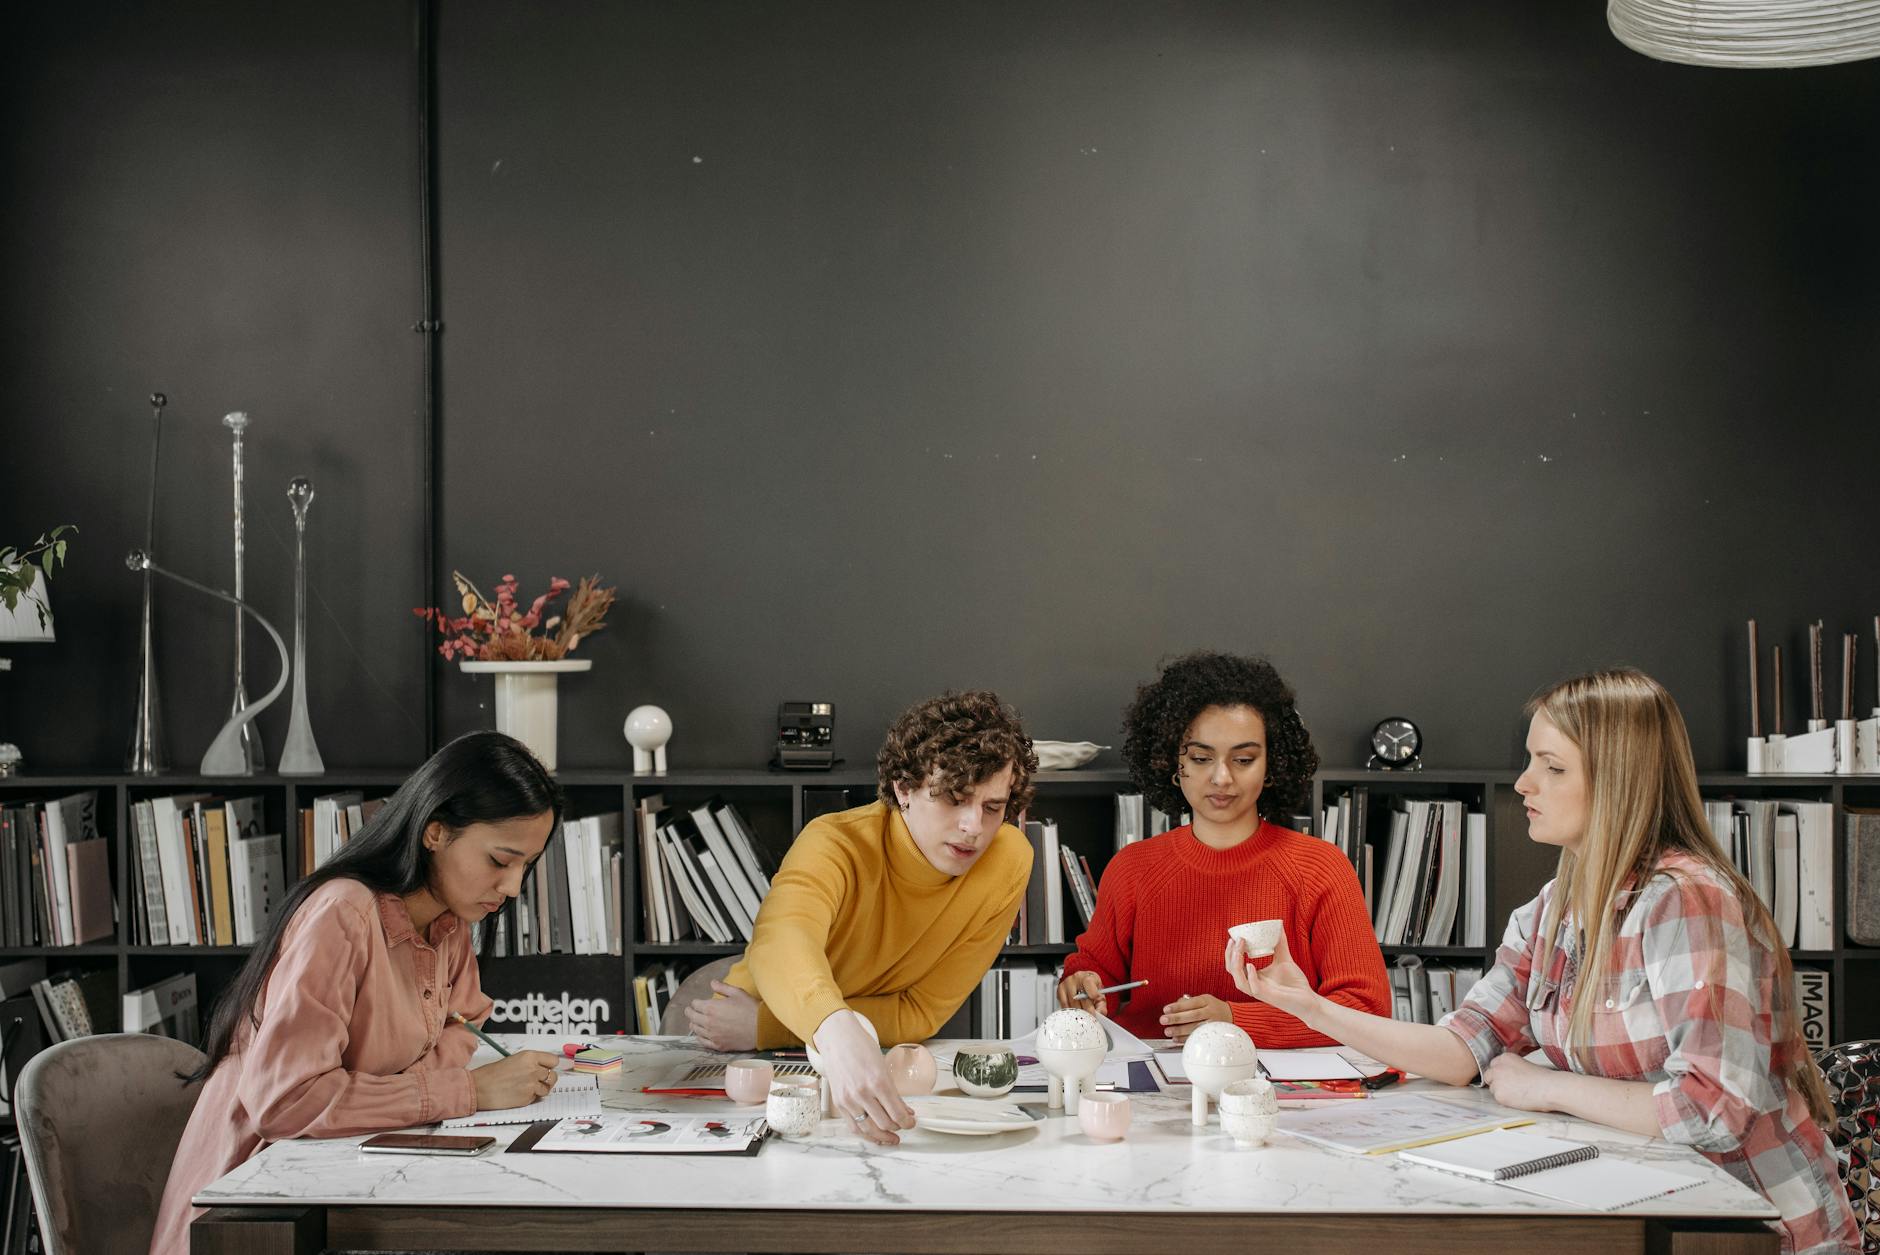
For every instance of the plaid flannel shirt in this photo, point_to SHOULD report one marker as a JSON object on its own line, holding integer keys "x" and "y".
{"x": 1685, "y": 1006}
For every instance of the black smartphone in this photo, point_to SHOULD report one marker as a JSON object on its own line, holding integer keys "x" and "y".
{"x": 426, "y": 1144}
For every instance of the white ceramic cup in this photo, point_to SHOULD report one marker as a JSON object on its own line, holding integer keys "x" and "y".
{"x": 1249, "y": 1111}
{"x": 1260, "y": 937}
{"x": 747, "y": 1081}
{"x": 794, "y": 1108}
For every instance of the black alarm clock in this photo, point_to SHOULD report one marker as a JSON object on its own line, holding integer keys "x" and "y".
{"x": 1395, "y": 745}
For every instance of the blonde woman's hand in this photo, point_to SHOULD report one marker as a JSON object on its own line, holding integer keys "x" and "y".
{"x": 514, "y": 1082}
{"x": 1519, "y": 1084}
{"x": 1279, "y": 984}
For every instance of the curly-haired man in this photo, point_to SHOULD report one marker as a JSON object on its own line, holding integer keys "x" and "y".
{"x": 892, "y": 911}
{"x": 1219, "y": 736}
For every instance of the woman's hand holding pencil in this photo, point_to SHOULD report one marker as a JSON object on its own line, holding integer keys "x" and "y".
{"x": 515, "y": 1080}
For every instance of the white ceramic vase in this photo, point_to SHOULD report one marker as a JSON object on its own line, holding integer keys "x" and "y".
{"x": 1216, "y": 1055}
{"x": 526, "y": 700}
{"x": 1071, "y": 1046}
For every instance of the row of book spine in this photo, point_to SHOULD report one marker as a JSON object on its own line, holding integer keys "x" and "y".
{"x": 1786, "y": 852}
{"x": 1432, "y": 887}
{"x": 1014, "y": 1000}
{"x": 55, "y": 873}
{"x": 702, "y": 872}
{"x": 653, "y": 988}
{"x": 202, "y": 871}
{"x": 570, "y": 900}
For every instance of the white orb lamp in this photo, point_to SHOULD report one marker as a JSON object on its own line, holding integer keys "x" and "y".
{"x": 648, "y": 729}
{"x": 1216, "y": 1055}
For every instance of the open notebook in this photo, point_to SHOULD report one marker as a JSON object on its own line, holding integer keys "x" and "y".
{"x": 574, "y": 1094}
{"x": 1569, "y": 1172}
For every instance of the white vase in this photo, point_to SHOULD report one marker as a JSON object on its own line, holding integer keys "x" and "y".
{"x": 526, "y": 705}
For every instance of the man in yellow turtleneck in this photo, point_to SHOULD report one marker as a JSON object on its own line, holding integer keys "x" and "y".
{"x": 891, "y": 911}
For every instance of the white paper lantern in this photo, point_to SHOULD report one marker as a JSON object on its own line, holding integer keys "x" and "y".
{"x": 1748, "y": 33}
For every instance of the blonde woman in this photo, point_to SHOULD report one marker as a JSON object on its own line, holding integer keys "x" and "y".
{"x": 1648, "y": 971}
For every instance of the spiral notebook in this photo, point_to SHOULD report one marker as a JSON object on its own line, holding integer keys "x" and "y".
{"x": 1568, "y": 1172}
{"x": 575, "y": 1094}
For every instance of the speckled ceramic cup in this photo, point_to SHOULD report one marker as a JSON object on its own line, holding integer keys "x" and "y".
{"x": 1249, "y": 1111}
{"x": 794, "y": 1108}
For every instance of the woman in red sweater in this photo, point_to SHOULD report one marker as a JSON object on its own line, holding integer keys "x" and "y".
{"x": 1218, "y": 735}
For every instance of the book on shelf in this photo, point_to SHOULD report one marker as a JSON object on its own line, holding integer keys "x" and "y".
{"x": 653, "y": 988}
{"x": 1014, "y": 1001}
{"x": 1812, "y": 1007}
{"x": 167, "y": 1008}
{"x": 1042, "y": 917}
{"x": 1083, "y": 891}
{"x": 55, "y": 873}
{"x": 1423, "y": 992}
{"x": 1863, "y": 875}
{"x": 702, "y": 872}
{"x": 1786, "y": 851}
{"x": 1132, "y": 819}
{"x": 78, "y": 1004}
{"x": 1432, "y": 889}
{"x": 201, "y": 871}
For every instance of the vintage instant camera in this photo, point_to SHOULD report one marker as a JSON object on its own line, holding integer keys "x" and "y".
{"x": 806, "y": 734}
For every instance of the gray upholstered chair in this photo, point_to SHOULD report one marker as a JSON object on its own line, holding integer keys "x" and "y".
{"x": 99, "y": 1120}
{"x": 696, "y": 985}
{"x": 1852, "y": 1070}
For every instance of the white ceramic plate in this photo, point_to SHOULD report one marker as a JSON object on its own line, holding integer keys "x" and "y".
{"x": 970, "y": 1116}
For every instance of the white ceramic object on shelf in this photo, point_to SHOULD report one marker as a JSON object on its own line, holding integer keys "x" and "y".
{"x": 1249, "y": 1111}
{"x": 1215, "y": 1056}
{"x": 526, "y": 700}
{"x": 1071, "y": 1046}
{"x": 647, "y": 730}
{"x": 1065, "y": 755}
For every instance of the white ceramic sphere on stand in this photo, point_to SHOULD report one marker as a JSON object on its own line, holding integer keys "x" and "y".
{"x": 815, "y": 1060}
{"x": 1071, "y": 1046}
{"x": 647, "y": 729}
{"x": 1216, "y": 1055}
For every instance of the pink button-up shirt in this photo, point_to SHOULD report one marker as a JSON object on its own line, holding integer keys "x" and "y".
{"x": 354, "y": 1038}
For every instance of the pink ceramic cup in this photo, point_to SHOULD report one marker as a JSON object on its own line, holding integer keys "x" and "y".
{"x": 747, "y": 1081}
{"x": 1104, "y": 1116}
{"x": 912, "y": 1068}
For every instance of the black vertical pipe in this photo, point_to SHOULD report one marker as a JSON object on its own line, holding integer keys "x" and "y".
{"x": 429, "y": 325}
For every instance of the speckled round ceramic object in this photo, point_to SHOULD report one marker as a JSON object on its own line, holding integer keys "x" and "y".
{"x": 794, "y": 1108}
{"x": 1249, "y": 1111}
{"x": 1071, "y": 1029}
{"x": 985, "y": 1071}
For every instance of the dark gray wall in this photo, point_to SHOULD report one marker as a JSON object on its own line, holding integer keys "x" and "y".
{"x": 1436, "y": 351}
{"x": 213, "y": 199}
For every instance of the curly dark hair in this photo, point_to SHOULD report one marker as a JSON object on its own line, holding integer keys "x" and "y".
{"x": 1165, "y": 707}
{"x": 963, "y": 739}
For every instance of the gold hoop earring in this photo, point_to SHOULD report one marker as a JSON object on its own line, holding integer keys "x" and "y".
{"x": 1176, "y": 779}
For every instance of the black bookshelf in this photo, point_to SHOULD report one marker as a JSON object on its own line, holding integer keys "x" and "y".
{"x": 773, "y": 802}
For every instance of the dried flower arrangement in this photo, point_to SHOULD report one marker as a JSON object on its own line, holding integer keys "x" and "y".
{"x": 501, "y": 631}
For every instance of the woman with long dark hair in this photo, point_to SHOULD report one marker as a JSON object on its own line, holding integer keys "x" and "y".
{"x": 340, "y": 1021}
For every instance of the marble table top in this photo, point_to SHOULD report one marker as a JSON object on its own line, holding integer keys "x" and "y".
{"x": 1166, "y": 1164}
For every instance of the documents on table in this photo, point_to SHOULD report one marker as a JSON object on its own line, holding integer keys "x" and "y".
{"x": 1393, "y": 1122}
{"x": 648, "y": 1133}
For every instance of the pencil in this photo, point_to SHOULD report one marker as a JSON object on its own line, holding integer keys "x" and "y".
{"x": 1111, "y": 989}
{"x": 489, "y": 1041}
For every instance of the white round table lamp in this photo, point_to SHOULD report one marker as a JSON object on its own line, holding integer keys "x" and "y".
{"x": 648, "y": 728}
